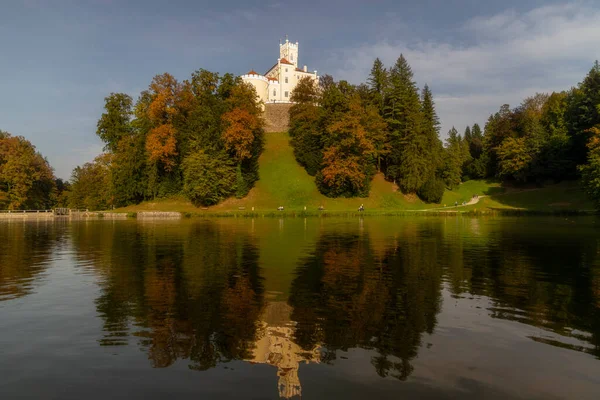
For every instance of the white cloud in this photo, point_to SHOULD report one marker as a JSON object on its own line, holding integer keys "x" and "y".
{"x": 510, "y": 56}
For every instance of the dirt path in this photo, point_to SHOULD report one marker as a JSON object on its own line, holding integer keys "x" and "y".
{"x": 473, "y": 200}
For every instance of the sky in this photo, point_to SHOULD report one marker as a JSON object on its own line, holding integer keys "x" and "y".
{"x": 60, "y": 58}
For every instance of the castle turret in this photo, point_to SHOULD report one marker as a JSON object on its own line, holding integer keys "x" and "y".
{"x": 289, "y": 51}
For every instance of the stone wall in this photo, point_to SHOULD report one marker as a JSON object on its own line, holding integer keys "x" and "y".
{"x": 277, "y": 117}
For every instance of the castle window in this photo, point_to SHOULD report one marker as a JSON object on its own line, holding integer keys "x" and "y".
{"x": 286, "y": 79}
{"x": 274, "y": 92}
{"x": 292, "y": 57}
{"x": 286, "y": 70}
{"x": 286, "y": 94}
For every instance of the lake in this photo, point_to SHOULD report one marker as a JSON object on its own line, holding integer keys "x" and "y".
{"x": 323, "y": 308}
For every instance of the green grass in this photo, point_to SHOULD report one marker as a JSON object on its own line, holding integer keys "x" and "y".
{"x": 553, "y": 198}
{"x": 285, "y": 183}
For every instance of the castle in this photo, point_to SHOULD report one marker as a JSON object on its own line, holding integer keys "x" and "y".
{"x": 277, "y": 84}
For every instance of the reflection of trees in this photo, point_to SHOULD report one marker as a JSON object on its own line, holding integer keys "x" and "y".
{"x": 25, "y": 251}
{"x": 345, "y": 296}
{"x": 547, "y": 277}
{"x": 191, "y": 290}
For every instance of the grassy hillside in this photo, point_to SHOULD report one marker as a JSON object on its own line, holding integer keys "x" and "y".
{"x": 285, "y": 183}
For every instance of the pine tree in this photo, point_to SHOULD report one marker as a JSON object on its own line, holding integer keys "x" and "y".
{"x": 467, "y": 135}
{"x": 378, "y": 83}
{"x": 407, "y": 162}
{"x": 453, "y": 159}
{"x": 431, "y": 130}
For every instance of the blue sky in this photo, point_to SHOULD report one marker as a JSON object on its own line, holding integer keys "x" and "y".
{"x": 60, "y": 58}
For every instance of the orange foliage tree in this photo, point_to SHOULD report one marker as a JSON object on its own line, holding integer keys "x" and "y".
{"x": 238, "y": 136}
{"x": 168, "y": 100}
{"x": 347, "y": 165}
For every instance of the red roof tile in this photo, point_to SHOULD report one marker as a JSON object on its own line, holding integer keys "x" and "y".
{"x": 285, "y": 61}
{"x": 252, "y": 72}
{"x": 271, "y": 78}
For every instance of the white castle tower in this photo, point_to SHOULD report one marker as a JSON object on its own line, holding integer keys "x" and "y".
{"x": 277, "y": 84}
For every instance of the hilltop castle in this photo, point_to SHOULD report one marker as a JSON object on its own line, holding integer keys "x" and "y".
{"x": 277, "y": 84}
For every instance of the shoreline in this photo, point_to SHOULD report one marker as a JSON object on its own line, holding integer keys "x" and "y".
{"x": 175, "y": 215}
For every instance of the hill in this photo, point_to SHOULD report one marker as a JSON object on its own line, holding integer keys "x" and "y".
{"x": 285, "y": 183}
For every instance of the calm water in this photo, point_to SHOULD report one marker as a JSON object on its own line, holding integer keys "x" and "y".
{"x": 495, "y": 308}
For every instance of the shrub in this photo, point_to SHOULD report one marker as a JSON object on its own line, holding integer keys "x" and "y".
{"x": 208, "y": 179}
{"x": 432, "y": 191}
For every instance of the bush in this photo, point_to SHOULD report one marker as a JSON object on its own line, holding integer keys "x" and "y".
{"x": 208, "y": 179}
{"x": 432, "y": 191}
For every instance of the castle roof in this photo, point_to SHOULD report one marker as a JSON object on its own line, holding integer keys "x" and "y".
{"x": 252, "y": 72}
{"x": 271, "y": 78}
{"x": 285, "y": 61}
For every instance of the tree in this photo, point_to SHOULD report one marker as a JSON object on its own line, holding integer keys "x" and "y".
{"x": 346, "y": 158}
{"x": 432, "y": 191}
{"x": 115, "y": 122}
{"x": 305, "y": 127}
{"x": 454, "y": 158}
{"x": 583, "y": 112}
{"x": 378, "y": 84}
{"x": 90, "y": 185}
{"x": 514, "y": 159}
{"x": 208, "y": 179}
{"x": 26, "y": 178}
{"x": 128, "y": 171}
{"x": 431, "y": 130}
{"x": 238, "y": 135}
{"x": 555, "y": 156}
{"x": 590, "y": 172}
{"x": 408, "y": 162}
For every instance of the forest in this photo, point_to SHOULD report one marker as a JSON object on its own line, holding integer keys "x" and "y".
{"x": 343, "y": 134}
{"x": 201, "y": 138}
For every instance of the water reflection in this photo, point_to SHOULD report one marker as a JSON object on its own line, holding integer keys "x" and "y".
{"x": 26, "y": 250}
{"x": 208, "y": 292}
{"x": 186, "y": 292}
{"x": 346, "y": 296}
{"x": 544, "y": 275}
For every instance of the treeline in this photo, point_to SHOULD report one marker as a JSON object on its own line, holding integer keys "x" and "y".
{"x": 26, "y": 179}
{"x": 200, "y": 138}
{"x": 343, "y": 134}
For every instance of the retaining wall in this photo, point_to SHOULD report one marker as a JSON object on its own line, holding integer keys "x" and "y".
{"x": 158, "y": 214}
{"x": 277, "y": 117}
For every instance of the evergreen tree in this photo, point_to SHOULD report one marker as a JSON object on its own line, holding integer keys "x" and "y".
{"x": 467, "y": 135}
{"x": 431, "y": 130}
{"x": 378, "y": 83}
{"x": 454, "y": 159}
{"x": 408, "y": 162}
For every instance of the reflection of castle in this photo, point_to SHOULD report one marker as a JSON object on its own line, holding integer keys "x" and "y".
{"x": 275, "y": 346}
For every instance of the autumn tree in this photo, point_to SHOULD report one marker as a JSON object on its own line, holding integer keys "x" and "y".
{"x": 26, "y": 178}
{"x": 91, "y": 185}
{"x": 348, "y": 152}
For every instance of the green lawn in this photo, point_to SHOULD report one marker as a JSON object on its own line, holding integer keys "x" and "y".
{"x": 285, "y": 183}
{"x": 558, "y": 197}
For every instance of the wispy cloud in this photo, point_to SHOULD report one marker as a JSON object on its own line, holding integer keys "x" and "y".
{"x": 510, "y": 55}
